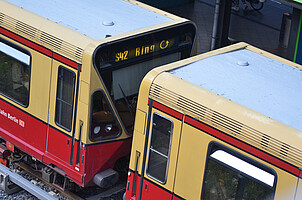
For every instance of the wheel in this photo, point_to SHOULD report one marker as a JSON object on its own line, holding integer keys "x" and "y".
{"x": 256, "y": 5}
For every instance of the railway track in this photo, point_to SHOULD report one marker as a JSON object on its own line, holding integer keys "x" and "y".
{"x": 56, "y": 191}
{"x": 21, "y": 176}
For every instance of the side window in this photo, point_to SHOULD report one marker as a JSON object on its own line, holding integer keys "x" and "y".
{"x": 14, "y": 73}
{"x": 103, "y": 123}
{"x": 159, "y": 150}
{"x": 229, "y": 176}
{"x": 65, "y": 98}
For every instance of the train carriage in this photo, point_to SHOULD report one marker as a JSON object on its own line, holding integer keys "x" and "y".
{"x": 220, "y": 125}
{"x": 69, "y": 78}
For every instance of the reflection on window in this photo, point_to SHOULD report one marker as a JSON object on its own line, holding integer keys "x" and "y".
{"x": 229, "y": 177}
{"x": 103, "y": 123}
{"x": 130, "y": 77}
{"x": 14, "y": 73}
{"x": 65, "y": 96}
{"x": 123, "y": 85}
{"x": 159, "y": 148}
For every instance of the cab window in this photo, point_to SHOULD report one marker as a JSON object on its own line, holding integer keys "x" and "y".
{"x": 231, "y": 176}
{"x": 14, "y": 73}
{"x": 160, "y": 145}
{"x": 103, "y": 122}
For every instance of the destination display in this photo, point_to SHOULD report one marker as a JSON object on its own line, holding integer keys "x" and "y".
{"x": 111, "y": 56}
{"x": 138, "y": 51}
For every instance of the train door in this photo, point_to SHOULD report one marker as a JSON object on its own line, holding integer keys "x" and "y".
{"x": 161, "y": 155}
{"x": 298, "y": 194}
{"x": 61, "y": 113}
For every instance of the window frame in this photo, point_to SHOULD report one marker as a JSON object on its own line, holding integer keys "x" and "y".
{"x": 216, "y": 146}
{"x": 111, "y": 110}
{"x": 73, "y": 100}
{"x": 169, "y": 153}
{"x": 27, "y": 52}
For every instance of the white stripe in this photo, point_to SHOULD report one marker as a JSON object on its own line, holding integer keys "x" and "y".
{"x": 244, "y": 167}
{"x": 22, "y": 57}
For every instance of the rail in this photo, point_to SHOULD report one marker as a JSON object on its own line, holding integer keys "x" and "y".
{"x": 23, "y": 183}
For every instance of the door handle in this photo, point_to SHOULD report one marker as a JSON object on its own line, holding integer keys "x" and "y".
{"x": 80, "y": 142}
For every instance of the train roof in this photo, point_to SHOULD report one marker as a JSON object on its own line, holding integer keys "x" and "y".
{"x": 96, "y": 19}
{"x": 72, "y": 27}
{"x": 253, "y": 80}
{"x": 258, "y": 103}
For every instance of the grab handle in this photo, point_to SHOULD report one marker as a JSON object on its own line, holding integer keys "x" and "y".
{"x": 80, "y": 142}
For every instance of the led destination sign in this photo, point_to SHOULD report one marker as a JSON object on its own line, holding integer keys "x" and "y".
{"x": 143, "y": 47}
{"x": 143, "y": 50}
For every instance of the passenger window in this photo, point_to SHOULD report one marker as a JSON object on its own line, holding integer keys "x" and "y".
{"x": 103, "y": 123}
{"x": 65, "y": 98}
{"x": 14, "y": 73}
{"x": 159, "y": 150}
{"x": 230, "y": 177}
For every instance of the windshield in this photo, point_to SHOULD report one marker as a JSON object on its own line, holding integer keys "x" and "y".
{"x": 123, "y": 64}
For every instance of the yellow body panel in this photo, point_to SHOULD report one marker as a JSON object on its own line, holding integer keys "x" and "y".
{"x": 191, "y": 163}
{"x": 140, "y": 118}
{"x": 38, "y": 85}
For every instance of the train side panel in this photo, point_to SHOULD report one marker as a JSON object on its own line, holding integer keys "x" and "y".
{"x": 190, "y": 164}
{"x": 28, "y": 118}
{"x": 25, "y": 122}
{"x": 193, "y": 157}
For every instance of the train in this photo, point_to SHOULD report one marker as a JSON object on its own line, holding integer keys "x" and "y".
{"x": 87, "y": 88}
{"x": 225, "y": 124}
{"x": 70, "y": 72}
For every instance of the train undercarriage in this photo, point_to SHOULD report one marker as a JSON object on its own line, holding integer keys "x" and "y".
{"x": 12, "y": 158}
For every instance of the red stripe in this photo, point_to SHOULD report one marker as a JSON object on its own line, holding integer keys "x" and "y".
{"x": 167, "y": 110}
{"x": 25, "y": 42}
{"x": 65, "y": 60}
{"x": 235, "y": 142}
{"x": 38, "y": 48}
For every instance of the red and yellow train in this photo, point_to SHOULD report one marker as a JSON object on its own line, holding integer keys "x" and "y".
{"x": 69, "y": 78}
{"x": 220, "y": 125}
